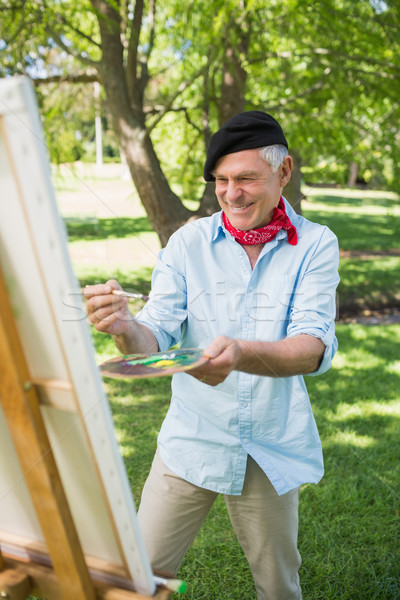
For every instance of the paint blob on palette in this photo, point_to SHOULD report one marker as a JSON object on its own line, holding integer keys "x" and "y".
{"x": 135, "y": 366}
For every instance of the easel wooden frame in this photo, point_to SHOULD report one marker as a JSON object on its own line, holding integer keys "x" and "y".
{"x": 69, "y": 576}
{"x": 58, "y": 567}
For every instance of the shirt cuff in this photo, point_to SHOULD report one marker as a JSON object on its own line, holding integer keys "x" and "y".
{"x": 327, "y": 337}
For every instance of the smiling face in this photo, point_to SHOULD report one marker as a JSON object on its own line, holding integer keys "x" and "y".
{"x": 247, "y": 189}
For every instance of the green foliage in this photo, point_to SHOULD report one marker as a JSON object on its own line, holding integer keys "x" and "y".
{"x": 65, "y": 148}
{"x": 328, "y": 69}
{"x": 336, "y": 98}
{"x": 68, "y": 116}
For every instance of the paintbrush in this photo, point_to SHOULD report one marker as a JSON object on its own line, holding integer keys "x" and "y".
{"x": 125, "y": 294}
{"x": 129, "y": 295}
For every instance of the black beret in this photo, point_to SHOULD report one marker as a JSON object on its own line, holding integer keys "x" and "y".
{"x": 245, "y": 131}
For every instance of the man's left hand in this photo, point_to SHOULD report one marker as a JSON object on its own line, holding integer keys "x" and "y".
{"x": 223, "y": 354}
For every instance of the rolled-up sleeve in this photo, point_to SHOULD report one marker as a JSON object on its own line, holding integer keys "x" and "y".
{"x": 314, "y": 305}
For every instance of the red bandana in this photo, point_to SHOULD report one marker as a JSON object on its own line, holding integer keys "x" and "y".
{"x": 279, "y": 221}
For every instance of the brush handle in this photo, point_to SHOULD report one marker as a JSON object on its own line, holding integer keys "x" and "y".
{"x": 175, "y": 585}
{"x": 129, "y": 294}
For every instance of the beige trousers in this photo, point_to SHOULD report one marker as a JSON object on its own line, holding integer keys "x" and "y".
{"x": 172, "y": 510}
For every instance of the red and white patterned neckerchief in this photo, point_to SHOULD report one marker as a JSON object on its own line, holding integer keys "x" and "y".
{"x": 279, "y": 221}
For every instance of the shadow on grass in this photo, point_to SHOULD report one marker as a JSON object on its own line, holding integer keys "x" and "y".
{"x": 360, "y": 232}
{"x": 101, "y": 229}
{"x": 385, "y": 202}
{"x": 369, "y": 283}
{"x": 349, "y": 522}
{"x": 360, "y": 369}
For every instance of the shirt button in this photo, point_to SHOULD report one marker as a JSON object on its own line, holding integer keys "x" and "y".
{"x": 245, "y": 440}
{"x": 244, "y": 404}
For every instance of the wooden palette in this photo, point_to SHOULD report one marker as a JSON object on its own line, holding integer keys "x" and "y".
{"x": 160, "y": 364}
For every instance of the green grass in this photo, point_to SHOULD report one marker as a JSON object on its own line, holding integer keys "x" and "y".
{"x": 107, "y": 228}
{"x": 359, "y": 231}
{"x": 349, "y": 523}
{"x": 367, "y": 225}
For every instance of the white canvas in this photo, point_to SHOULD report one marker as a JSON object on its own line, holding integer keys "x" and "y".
{"x": 50, "y": 318}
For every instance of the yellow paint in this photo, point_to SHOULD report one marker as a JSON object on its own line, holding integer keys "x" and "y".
{"x": 162, "y": 363}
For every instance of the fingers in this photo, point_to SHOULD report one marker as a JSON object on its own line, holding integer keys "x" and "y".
{"x": 223, "y": 356}
{"x": 107, "y": 312}
{"x": 114, "y": 322}
{"x": 217, "y": 346}
{"x": 101, "y": 289}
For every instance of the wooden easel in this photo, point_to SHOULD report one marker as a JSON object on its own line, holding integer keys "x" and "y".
{"x": 68, "y": 575}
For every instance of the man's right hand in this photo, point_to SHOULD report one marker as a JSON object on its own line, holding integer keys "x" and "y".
{"x": 107, "y": 312}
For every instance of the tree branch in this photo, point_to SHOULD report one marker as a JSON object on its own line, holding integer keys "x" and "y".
{"x": 144, "y": 64}
{"x": 325, "y": 52}
{"x": 61, "y": 19}
{"x": 181, "y": 88}
{"x": 313, "y": 88}
{"x": 12, "y": 7}
{"x": 137, "y": 82}
{"x": 152, "y": 20}
{"x": 132, "y": 61}
{"x": 156, "y": 110}
{"x": 355, "y": 57}
{"x": 68, "y": 49}
{"x": 83, "y": 77}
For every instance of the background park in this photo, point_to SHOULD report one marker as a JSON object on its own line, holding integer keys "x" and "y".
{"x": 158, "y": 80}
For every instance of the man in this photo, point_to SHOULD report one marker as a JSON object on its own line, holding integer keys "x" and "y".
{"x": 254, "y": 285}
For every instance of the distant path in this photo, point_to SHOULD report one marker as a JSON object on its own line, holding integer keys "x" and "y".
{"x": 366, "y": 254}
{"x": 374, "y": 318}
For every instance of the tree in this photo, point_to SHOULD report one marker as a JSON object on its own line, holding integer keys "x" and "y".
{"x": 178, "y": 72}
{"x": 116, "y": 47}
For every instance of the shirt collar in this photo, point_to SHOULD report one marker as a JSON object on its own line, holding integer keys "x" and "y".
{"x": 217, "y": 226}
{"x": 293, "y": 216}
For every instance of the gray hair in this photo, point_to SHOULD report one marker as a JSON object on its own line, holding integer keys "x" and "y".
{"x": 274, "y": 155}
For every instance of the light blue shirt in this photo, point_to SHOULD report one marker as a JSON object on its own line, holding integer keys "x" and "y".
{"x": 203, "y": 286}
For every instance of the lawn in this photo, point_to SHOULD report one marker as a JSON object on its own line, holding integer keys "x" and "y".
{"x": 368, "y": 227}
{"x": 349, "y": 523}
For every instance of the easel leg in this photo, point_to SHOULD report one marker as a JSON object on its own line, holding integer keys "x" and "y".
{"x": 20, "y": 403}
{"x": 14, "y": 585}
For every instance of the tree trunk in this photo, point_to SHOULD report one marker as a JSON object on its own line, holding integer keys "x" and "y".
{"x": 231, "y": 100}
{"x": 164, "y": 208}
{"x": 292, "y": 190}
{"x": 233, "y": 84}
{"x": 353, "y": 174}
